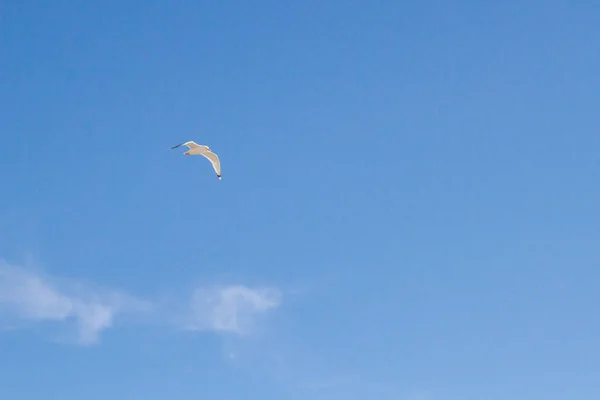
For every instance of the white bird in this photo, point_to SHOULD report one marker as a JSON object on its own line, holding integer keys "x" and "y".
{"x": 197, "y": 149}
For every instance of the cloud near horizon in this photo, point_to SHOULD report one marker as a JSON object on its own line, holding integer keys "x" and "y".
{"x": 27, "y": 296}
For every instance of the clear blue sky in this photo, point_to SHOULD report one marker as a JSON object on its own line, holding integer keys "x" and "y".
{"x": 408, "y": 210}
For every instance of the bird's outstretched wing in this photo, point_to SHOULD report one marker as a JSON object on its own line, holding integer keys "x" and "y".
{"x": 190, "y": 145}
{"x": 214, "y": 160}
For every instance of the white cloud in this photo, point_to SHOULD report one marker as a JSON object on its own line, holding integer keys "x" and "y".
{"x": 231, "y": 309}
{"x": 29, "y": 296}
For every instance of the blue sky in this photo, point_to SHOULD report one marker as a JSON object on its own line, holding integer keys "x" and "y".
{"x": 408, "y": 210}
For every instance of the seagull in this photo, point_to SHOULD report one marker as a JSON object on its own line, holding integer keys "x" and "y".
{"x": 197, "y": 149}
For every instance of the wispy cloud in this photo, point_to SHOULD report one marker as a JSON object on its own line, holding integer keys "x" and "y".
{"x": 230, "y": 309}
{"x": 29, "y": 296}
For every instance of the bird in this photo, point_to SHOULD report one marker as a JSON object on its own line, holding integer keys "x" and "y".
{"x": 197, "y": 149}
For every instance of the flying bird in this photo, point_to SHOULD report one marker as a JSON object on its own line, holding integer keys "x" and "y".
{"x": 197, "y": 149}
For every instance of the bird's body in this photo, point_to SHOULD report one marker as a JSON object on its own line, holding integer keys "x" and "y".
{"x": 202, "y": 150}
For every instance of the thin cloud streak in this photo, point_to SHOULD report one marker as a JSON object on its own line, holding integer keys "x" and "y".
{"x": 32, "y": 297}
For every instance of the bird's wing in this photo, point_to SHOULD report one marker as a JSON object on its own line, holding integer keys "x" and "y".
{"x": 190, "y": 145}
{"x": 214, "y": 160}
